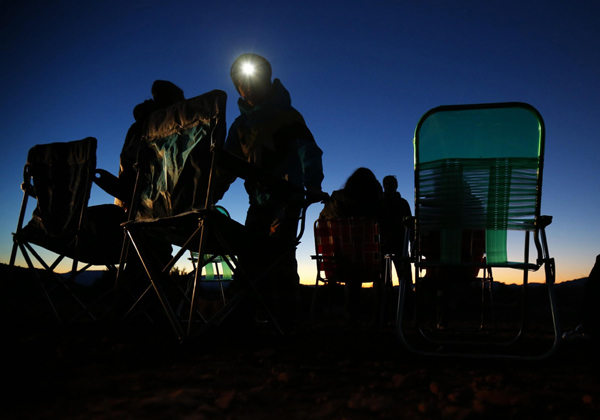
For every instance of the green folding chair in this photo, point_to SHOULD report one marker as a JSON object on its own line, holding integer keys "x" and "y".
{"x": 478, "y": 177}
{"x": 217, "y": 268}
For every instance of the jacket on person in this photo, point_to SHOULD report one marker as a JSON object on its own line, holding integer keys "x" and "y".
{"x": 274, "y": 136}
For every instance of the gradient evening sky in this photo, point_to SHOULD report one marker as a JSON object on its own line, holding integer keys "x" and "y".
{"x": 361, "y": 72}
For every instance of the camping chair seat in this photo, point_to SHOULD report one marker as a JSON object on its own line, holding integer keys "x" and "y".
{"x": 176, "y": 230}
{"x": 100, "y": 237}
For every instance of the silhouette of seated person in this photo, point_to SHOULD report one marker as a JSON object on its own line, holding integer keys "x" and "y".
{"x": 453, "y": 207}
{"x": 590, "y": 311}
{"x": 361, "y": 196}
{"x": 164, "y": 94}
{"x": 109, "y": 217}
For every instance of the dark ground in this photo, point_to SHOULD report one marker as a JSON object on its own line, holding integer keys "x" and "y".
{"x": 325, "y": 370}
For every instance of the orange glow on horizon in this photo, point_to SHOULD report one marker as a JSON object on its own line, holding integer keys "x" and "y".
{"x": 307, "y": 271}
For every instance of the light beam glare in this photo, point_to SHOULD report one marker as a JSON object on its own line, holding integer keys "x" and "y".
{"x": 248, "y": 69}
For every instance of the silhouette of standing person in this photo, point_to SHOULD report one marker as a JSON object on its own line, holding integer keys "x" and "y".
{"x": 271, "y": 134}
{"x": 397, "y": 209}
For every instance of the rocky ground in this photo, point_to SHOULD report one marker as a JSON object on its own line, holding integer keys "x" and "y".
{"x": 324, "y": 370}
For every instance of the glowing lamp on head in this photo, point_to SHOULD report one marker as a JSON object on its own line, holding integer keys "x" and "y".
{"x": 248, "y": 69}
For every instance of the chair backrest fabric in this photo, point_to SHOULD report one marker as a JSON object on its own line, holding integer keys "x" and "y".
{"x": 175, "y": 156}
{"x": 223, "y": 273}
{"x": 478, "y": 168}
{"x": 62, "y": 176}
{"x": 351, "y": 247}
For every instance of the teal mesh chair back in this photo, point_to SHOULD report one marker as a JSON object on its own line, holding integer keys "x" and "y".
{"x": 478, "y": 168}
{"x": 175, "y": 156}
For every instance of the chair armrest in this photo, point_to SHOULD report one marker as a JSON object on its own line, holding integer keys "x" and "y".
{"x": 316, "y": 196}
{"x": 543, "y": 221}
{"x": 26, "y": 185}
{"x": 324, "y": 257}
{"x": 110, "y": 184}
{"x": 310, "y": 198}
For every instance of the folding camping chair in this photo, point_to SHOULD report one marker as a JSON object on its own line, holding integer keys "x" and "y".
{"x": 478, "y": 176}
{"x": 349, "y": 248}
{"x": 59, "y": 176}
{"x": 177, "y": 162}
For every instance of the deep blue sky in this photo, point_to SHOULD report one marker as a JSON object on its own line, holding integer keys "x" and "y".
{"x": 361, "y": 73}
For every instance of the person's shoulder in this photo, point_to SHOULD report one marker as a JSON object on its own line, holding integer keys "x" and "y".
{"x": 392, "y": 198}
{"x": 339, "y": 195}
{"x": 239, "y": 121}
{"x": 332, "y": 205}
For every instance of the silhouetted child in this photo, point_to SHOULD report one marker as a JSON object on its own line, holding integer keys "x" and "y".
{"x": 397, "y": 209}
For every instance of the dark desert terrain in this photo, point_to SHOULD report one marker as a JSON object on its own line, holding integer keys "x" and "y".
{"x": 324, "y": 370}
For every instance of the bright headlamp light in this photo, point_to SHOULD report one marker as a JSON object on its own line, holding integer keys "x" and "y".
{"x": 248, "y": 69}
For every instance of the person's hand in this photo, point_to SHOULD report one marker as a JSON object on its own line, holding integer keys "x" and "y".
{"x": 316, "y": 194}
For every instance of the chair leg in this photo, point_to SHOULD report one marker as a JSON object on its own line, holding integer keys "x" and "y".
{"x": 220, "y": 280}
{"x": 153, "y": 276}
{"x": 387, "y": 289}
{"x": 50, "y": 273}
{"x": 39, "y": 282}
{"x": 313, "y": 306}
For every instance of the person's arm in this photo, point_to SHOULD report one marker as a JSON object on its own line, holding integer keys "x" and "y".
{"x": 332, "y": 207}
{"x": 224, "y": 178}
{"x": 312, "y": 164}
{"x": 406, "y": 212}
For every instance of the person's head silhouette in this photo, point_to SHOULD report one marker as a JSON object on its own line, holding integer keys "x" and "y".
{"x": 390, "y": 184}
{"x": 251, "y": 76}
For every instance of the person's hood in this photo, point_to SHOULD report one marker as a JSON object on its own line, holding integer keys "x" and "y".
{"x": 166, "y": 93}
{"x": 142, "y": 111}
